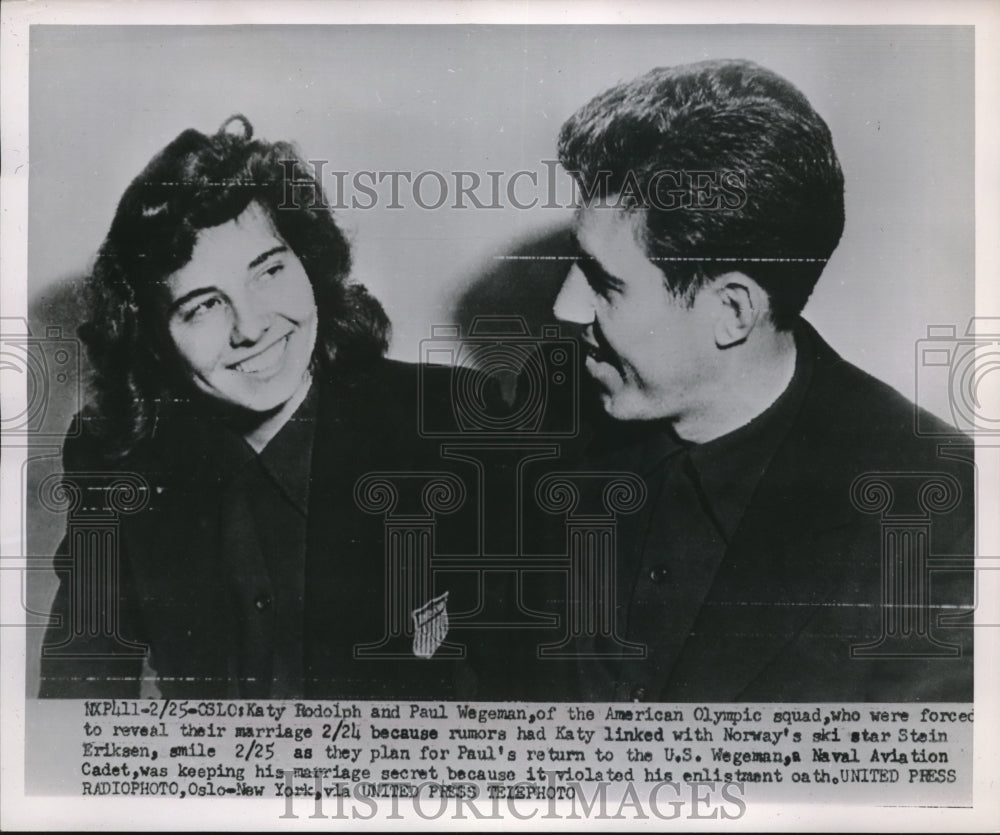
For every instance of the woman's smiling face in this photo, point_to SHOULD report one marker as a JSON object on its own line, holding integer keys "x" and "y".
{"x": 242, "y": 315}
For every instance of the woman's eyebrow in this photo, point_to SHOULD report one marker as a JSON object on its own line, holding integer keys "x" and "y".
{"x": 260, "y": 259}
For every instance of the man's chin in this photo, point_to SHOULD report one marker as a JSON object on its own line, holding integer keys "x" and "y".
{"x": 623, "y": 404}
{"x": 619, "y": 400}
{"x": 604, "y": 374}
{"x": 615, "y": 405}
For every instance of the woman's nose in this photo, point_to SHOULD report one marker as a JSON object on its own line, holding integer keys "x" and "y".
{"x": 251, "y": 318}
{"x": 575, "y": 302}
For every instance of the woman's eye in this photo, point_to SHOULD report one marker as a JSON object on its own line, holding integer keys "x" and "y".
{"x": 274, "y": 269}
{"x": 202, "y": 308}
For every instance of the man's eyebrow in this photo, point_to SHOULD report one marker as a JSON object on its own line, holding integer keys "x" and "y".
{"x": 596, "y": 275}
{"x": 260, "y": 259}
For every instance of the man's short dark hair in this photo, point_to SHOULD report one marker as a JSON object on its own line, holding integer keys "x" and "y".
{"x": 735, "y": 169}
{"x": 198, "y": 182}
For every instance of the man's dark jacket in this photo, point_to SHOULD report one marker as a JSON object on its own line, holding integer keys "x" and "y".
{"x": 799, "y": 590}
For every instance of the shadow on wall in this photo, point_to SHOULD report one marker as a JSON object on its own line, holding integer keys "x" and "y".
{"x": 521, "y": 287}
{"x": 60, "y": 304}
{"x": 55, "y": 394}
{"x": 58, "y": 372}
{"x": 524, "y": 281}
{"x": 58, "y": 379}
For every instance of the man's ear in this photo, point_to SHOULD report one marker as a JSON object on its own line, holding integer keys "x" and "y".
{"x": 741, "y": 305}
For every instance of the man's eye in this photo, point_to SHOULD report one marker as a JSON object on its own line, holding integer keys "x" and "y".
{"x": 596, "y": 277}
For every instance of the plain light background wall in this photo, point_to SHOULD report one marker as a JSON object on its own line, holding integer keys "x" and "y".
{"x": 898, "y": 100}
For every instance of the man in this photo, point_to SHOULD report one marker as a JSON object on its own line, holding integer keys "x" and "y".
{"x": 769, "y": 560}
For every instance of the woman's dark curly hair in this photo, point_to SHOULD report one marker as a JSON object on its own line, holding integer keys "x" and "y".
{"x": 195, "y": 183}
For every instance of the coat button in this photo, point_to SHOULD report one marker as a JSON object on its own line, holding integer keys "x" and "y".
{"x": 262, "y": 602}
{"x": 659, "y": 574}
{"x": 638, "y": 694}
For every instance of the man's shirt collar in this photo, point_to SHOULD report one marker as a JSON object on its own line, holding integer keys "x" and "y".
{"x": 730, "y": 467}
{"x": 727, "y": 469}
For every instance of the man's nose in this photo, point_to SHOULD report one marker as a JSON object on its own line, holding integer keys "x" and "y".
{"x": 251, "y": 318}
{"x": 575, "y": 302}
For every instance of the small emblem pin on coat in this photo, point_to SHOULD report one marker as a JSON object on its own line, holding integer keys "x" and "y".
{"x": 430, "y": 626}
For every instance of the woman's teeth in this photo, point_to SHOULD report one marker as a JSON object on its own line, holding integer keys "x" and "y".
{"x": 265, "y": 360}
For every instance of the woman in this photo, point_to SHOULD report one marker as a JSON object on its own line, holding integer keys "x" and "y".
{"x": 240, "y": 378}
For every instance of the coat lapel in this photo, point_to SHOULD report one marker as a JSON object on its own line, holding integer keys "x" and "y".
{"x": 668, "y": 588}
{"x": 173, "y": 551}
{"x": 337, "y": 577}
{"x": 779, "y": 569}
{"x": 361, "y": 430}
